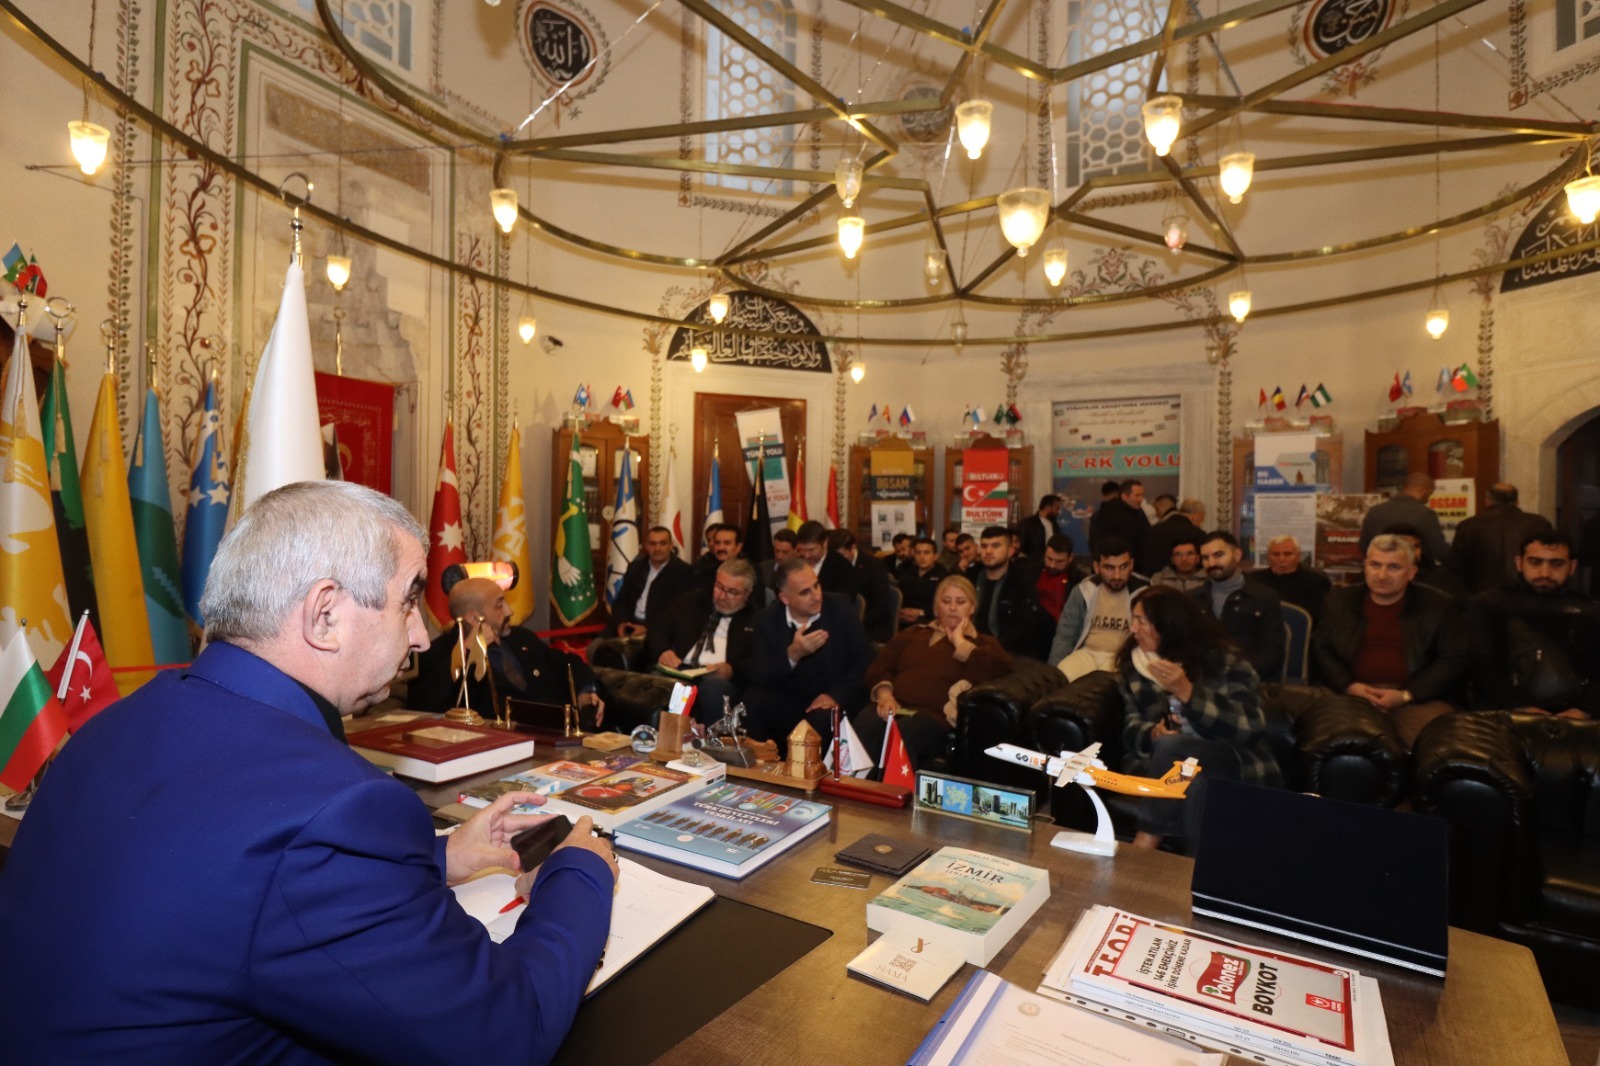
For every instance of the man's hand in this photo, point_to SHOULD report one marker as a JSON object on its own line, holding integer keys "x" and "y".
{"x": 582, "y": 836}
{"x": 887, "y": 704}
{"x": 630, "y": 629}
{"x": 823, "y": 702}
{"x": 806, "y": 642}
{"x": 484, "y": 840}
{"x": 669, "y": 659}
{"x": 910, "y": 615}
{"x": 722, "y": 670}
{"x": 592, "y": 699}
{"x": 1384, "y": 699}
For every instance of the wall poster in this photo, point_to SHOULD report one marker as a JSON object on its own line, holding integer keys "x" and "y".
{"x": 1095, "y": 441}
{"x": 985, "y": 489}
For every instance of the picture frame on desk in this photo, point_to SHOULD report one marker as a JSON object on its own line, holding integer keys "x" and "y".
{"x": 976, "y": 801}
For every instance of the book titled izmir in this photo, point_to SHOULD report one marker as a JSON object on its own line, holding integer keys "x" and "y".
{"x": 435, "y": 750}
{"x": 1223, "y": 994}
{"x": 965, "y": 901}
{"x": 726, "y": 829}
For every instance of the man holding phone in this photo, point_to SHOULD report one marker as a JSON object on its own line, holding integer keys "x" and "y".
{"x": 248, "y": 887}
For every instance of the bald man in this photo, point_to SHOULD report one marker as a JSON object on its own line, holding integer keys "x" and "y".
{"x": 524, "y": 666}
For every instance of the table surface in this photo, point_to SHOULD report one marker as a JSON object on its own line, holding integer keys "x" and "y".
{"x": 1490, "y": 1008}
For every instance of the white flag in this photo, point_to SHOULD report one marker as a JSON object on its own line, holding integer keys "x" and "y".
{"x": 671, "y": 515}
{"x": 282, "y": 439}
{"x": 854, "y": 759}
{"x": 624, "y": 531}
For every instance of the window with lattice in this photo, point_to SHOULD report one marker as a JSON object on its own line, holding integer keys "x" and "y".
{"x": 1105, "y": 132}
{"x": 1576, "y": 21}
{"x": 739, "y": 85}
{"x": 382, "y": 28}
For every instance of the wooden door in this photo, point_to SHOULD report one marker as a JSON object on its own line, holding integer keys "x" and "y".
{"x": 715, "y": 430}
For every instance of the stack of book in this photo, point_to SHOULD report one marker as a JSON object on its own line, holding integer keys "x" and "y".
{"x": 727, "y": 829}
{"x": 964, "y": 901}
{"x": 611, "y": 790}
{"x": 1248, "y": 1001}
{"x": 433, "y": 750}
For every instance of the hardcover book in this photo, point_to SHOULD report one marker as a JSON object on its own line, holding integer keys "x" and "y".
{"x": 726, "y": 829}
{"x": 616, "y": 797}
{"x": 547, "y": 780}
{"x": 436, "y": 750}
{"x": 884, "y": 855}
{"x": 966, "y": 901}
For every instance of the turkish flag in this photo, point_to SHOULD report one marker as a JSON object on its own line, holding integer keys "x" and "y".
{"x": 88, "y": 687}
{"x": 896, "y": 760}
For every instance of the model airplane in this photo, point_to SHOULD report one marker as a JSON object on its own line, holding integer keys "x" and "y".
{"x": 1086, "y": 770}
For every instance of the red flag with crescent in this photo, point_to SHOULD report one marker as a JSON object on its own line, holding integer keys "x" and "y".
{"x": 81, "y": 678}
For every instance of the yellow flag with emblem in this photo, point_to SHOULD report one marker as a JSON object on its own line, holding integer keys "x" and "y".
{"x": 113, "y": 551}
{"x": 511, "y": 533}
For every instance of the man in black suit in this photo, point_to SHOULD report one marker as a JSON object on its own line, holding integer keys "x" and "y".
{"x": 918, "y": 582}
{"x": 783, "y": 547}
{"x": 652, "y": 583}
{"x": 1122, "y": 517}
{"x": 1487, "y": 545}
{"x": 1251, "y": 613}
{"x": 1008, "y": 604}
{"x": 872, "y": 578}
{"x": 1037, "y": 531}
{"x": 723, "y": 542}
{"x": 810, "y": 658}
{"x": 523, "y": 665}
{"x": 713, "y": 629}
{"x": 1154, "y": 553}
{"x": 832, "y": 569}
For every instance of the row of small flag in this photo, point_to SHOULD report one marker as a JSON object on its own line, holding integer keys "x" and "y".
{"x": 1460, "y": 379}
{"x": 23, "y": 272}
{"x": 907, "y": 416}
{"x": 1317, "y": 397}
{"x": 621, "y": 398}
{"x": 1005, "y": 414}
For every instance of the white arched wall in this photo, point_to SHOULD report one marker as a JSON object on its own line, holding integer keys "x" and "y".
{"x": 1546, "y": 379}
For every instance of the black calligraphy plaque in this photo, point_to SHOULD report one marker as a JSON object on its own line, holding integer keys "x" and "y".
{"x": 1337, "y": 24}
{"x": 791, "y": 340}
{"x": 1552, "y": 229}
{"x": 560, "y": 44}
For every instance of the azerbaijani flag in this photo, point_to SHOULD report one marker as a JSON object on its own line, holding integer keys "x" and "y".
{"x": 32, "y": 722}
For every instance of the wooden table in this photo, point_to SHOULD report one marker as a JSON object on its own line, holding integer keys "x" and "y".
{"x": 1490, "y": 1008}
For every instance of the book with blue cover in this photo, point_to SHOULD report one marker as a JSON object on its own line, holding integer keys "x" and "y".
{"x": 727, "y": 828}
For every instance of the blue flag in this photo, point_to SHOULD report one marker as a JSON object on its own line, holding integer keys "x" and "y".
{"x": 158, "y": 544}
{"x": 624, "y": 531}
{"x": 714, "y": 498}
{"x": 208, "y": 506}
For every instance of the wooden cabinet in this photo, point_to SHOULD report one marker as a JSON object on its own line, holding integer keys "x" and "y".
{"x": 1330, "y": 472}
{"x": 1424, "y": 441}
{"x": 892, "y": 454}
{"x": 600, "y": 447}
{"x": 1019, "y": 479}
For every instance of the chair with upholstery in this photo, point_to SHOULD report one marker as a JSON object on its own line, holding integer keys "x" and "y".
{"x": 1522, "y": 795}
{"x": 618, "y": 653}
{"x": 632, "y": 698}
{"x": 1297, "y": 645}
{"x": 996, "y": 712}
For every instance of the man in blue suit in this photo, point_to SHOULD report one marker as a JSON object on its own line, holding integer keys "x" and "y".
{"x": 810, "y": 657}
{"x": 209, "y": 874}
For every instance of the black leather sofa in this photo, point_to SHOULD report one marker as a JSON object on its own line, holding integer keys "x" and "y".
{"x": 1522, "y": 795}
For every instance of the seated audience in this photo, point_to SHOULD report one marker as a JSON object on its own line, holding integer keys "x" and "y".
{"x": 1250, "y": 613}
{"x": 1008, "y": 606}
{"x": 809, "y": 659}
{"x": 834, "y": 571}
{"x": 1431, "y": 573}
{"x": 1399, "y": 646}
{"x": 918, "y": 582}
{"x": 1186, "y": 523}
{"x": 1535, "y": 642}
{"x": 1037, "y": 530}
{"x": 949, "y": 554}
{"x": 783, "y": 547}
{"x": 1183, "y": 571}
{"x": 923, "y": 669}
{"x": 1187, "y": 693}
{"x": 1122, "y": 517}
{"x": 901, "y": 558}
{"x": 723, "y": 542}
{"x": 715, "y": 630}
{"x": 1098, "y": 616}
{"x": 1293, "y": 581}
{"x": 1485, "y": 547}
{"x": 873, "y": 583}
{"x": 1056, "y": 577}
{"x": 651, "y": 584}
{"x": 262, "y": 893}
{"x": 1409, "y": 505}
{"x": 966, "y": 556}
{"x": 521, "y": 665}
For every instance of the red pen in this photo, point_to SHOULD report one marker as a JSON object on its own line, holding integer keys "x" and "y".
{"x": 513, "y": 905}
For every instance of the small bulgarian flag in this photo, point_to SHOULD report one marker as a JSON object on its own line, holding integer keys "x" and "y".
{"x": 32, "y": 722}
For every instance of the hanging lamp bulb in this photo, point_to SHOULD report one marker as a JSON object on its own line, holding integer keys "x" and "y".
{"x": 338, "y": 267}
{"x": 717, "y": 306}
{"x": 1055, "y": 257}
{"x": 847, "y": 180}
{"x": 89, "y": 143}
{"x": 504, "y": 204}
{"x": 527, "y": 326}
{"x": 1583, "y": 197}
{"x": 958, "y": 331}
{"x": 933, "y": 266}
{"x": 1175, "y": 230}
{"x": 697, "y": 358}
{"x": 972, "y": 125}
{"x": 858, "y": 370}
{"x": 852, "y": 230}
{"x": 1163, "y": 116}
{"x": 1023, "y": 215}
{"x": 1438, "y": 317}
{"x": 1239, "y": 304}
{"x": 1236, "y": 170}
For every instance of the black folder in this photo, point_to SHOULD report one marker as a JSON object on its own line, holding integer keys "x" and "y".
{"x": 1362, "y": 879}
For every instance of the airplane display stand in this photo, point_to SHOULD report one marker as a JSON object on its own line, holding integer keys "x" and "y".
{"x": 1100, "y": 842}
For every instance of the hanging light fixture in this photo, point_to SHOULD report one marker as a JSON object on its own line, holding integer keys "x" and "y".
{"x": 847, "y": 180}
{"x": 972, "y": 125}
{"x": 1055, "y": 257}
{"x": 933, "y": 266}
{"x": 1239, "y": 304}
{"x": 1583, "y": 197}
{"x": 858, "y": 370}
{"x": 1438, "y": 319}
{"x": 697, "y": 358}
{"x": 1023, "y": 215}
{"x": 338, "y": 271}
{"x": 89, "y": 144}
{"x": 527, "y": 326}
{"x": 717, "y": 307}
{"x": 1235, "y": 172}
{"x": 958, "y": 330}
{"x": 1163, "y": 115}
{"x": 1175, "y": 229}
{"x": 504, "y": 204}
{"x": 852, "y": 230}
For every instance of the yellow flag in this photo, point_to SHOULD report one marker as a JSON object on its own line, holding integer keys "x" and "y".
{"x": 113, "y": 551}
{"x": 511, "y": 533}
{"x": 31, "y": 586}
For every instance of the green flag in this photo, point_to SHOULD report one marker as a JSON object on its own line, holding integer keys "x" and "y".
{"x": 572, "y": 590}
{"x": 61, "y": 455}
{"x": 157, "y": 539}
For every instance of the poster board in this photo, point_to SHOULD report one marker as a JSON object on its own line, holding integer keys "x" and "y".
{"x": 764, "y": 428}
{"x": 1286, "y": 487}
{"x": 1095, "y": 441}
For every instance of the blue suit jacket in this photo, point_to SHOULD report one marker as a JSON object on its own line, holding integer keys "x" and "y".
{"x": 208, "y": 876}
